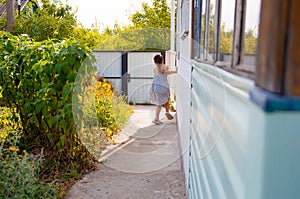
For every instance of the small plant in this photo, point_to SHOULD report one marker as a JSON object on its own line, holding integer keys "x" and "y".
{"x": 120, "y": 110}
{"x": 19, "y": 176}
{"x": 100, "y": 113}
{"x": 111, "y": 110}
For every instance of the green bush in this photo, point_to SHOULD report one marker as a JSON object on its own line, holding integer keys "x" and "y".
{"x": 19, "y": 176}
{"x": 37, "y": 80}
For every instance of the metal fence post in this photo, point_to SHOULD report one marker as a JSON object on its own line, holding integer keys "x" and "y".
{"x": 10, "y": 14}
{"x": 125, "y": 75}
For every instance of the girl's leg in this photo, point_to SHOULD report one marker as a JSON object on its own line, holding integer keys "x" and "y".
{"x": 158, "y": 109}
{"x": 167, "y": 107}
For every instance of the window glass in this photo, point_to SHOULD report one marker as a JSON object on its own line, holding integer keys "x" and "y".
{"x": 197, "y": 35}
{"x": 226, "y": 30}
{"x": 203, "y": 28}
{"x": 208, "y": 30}
{"x": 251, "y": 31}
{"x": 211, "y": 41}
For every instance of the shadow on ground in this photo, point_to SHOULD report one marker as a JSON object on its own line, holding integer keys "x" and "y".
{"x": 146, "y": 165}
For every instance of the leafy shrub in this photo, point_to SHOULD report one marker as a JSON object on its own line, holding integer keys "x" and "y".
{"x": 37, "y": 80}
{"x": 19, "y": 176}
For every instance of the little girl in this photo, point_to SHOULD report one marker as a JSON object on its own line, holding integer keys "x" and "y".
{"x": 160, "y": 90}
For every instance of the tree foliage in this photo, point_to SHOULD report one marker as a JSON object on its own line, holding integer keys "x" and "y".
{"x": 137, "y": 39}
{"x": 150, "y": 30}
{"x": 52, "y": 20}
{"x": 86, "y": 36}
{"x": 158, "y": 15}
{"x": 250, "y": 41}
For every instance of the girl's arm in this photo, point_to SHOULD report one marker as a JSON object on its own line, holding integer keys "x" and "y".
{"x": 169, "y": 72}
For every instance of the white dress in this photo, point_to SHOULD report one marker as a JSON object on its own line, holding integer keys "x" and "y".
{"x": 159, "y": 91}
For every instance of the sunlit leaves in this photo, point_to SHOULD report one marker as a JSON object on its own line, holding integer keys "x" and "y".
{"x": 37, "y": 80}
{"x": 150, "y": 30}
{"x": 158, "y": 15}
{"x": 52, "y": 20}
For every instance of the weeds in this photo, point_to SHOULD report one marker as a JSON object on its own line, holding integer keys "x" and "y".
{"x": 19, "y": 176}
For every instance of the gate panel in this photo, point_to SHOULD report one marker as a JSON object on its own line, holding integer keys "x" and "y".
{"x": 109, "y": 65}
{"x": 131, "y": 73}
{"x": 140, "y": 69}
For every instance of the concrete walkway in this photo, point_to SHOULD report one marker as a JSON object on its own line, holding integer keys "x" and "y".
{"x": 146, "y": 165}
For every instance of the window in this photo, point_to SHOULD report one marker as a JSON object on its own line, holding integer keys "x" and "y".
{"x": 210, "y": 33}
{"x": 228, "y": 34}
{"x": 251, "y": 31}
{"x": 226, "y": 30}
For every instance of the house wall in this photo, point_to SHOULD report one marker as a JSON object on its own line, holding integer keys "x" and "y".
{"x": 220, "y": 115}
{"x": 183, "y": 82}
{"x": 273, "y": 156}
{"x": 238, "y": 150}
{"x": 232, "y": 147}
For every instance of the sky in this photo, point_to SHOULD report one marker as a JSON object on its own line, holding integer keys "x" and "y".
{"x": 106, "y": 12}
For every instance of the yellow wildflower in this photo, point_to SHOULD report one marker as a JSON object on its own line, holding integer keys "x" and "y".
{"x": 13, "y": 149}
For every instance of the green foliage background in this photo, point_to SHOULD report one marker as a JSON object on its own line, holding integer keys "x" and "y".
{"x": 49, "y": 21}
{"x": 37, "y": 80}
{"x": 52, "y": 20}
{"x": 150, "y": 30}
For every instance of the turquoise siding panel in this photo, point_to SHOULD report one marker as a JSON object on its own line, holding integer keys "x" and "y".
{"x": 238, "y": 150}
{"x": 218, "y": 135}
{"x": 273, "y": 164}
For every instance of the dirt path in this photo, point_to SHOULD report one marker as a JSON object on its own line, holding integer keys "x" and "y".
{"x": 146, "y": 165}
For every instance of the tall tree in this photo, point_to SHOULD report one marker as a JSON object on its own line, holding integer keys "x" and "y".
{"x": 157, "y": 15}
{"x": 52, "y": 20}
{"x": 150, "y": 30}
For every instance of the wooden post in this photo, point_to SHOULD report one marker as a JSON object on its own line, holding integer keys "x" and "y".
{"x": 271, "y": 45}
{"x": 292, "y": 74}
{"x": 278, "y": 65}
{"x": 239, "y": 32}
{"x": 10, "y": 14}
